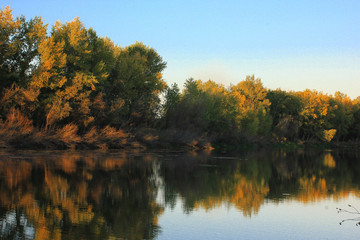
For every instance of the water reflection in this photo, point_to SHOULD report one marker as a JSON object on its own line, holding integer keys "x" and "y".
{"x": 77, "y": 196}
{"x": 250, "y": 179}
{"x": 88, "y": 195}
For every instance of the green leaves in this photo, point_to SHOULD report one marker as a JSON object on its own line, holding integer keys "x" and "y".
{"x": 137, "y": 80}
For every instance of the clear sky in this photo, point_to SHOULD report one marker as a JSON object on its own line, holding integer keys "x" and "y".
{"x": 289, "y": 44}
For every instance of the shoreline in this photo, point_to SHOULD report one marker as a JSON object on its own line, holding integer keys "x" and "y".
{"x": 109, "y": 138}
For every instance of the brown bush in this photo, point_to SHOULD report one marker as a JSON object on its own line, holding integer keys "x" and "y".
{"x": 108, "y": 137}
{"x": 92, "y": 136}
{"x": 16, "y": 124}
{"x": 16, "y": 130}
{"x": 55, "y": 138}
{"x": 111, "y": 134}
{"x": 68, "y": 134}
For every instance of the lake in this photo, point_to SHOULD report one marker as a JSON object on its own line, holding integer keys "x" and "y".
{"x": 259, "y": 194}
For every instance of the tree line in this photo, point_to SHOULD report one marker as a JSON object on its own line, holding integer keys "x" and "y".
{"x": 250, "y": 111}
{"x": 72, "y": 80}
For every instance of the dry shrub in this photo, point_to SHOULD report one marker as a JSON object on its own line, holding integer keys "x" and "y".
{"x": 65, "y": 137}
{"x": 68, "y": 134}
{"x": 16, "y": 124}
{"x": 16, "y": 131}
{"x": 92, "y": 136}
{"x": 150, "y": 138}
{"x": 93, "y": 139}
{"x": 193, "y": 144}
{"x": 111, "y": 134}
{"x": 108, "y": 137}
{"x": 112, "y": 137}
{"x": 208, "y": 146}
{"x": 102, "y": 146}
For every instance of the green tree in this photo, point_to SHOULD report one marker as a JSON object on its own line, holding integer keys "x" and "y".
{"x": 354, "y": 129}
{"x": 172, "y": 98}
{"x": 219, "y": 113}
{"x": 284, "y": 109}
{"x": 341, "y": 114}
{"x": 135, "y": 85}
{"x": 190, "y": 111}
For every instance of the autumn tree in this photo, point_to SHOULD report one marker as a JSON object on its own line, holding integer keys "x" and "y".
{"x": 314, "y": 115}
{"x": 19, "y": 59}
{"x": 252, "y": 106}
{"x": 70, "y": 68}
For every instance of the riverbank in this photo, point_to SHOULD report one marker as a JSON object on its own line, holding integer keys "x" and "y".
{"x": 24, "y": 136}
{"x": 67, "y": 137}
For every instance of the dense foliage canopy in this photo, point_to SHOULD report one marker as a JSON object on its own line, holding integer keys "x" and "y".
{"x": 73, "y": 76}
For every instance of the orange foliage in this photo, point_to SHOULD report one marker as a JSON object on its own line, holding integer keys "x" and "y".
{"x": 68, "y": 134}
{"x": 108, "y": 136}
{"x": 16, "y": 124}
{"x": 7, "y": 21}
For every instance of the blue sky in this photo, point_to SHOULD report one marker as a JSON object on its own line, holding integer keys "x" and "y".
{"x": 292, "y": 45}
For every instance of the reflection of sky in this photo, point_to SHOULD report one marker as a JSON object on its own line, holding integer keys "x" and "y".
{"x": 8, "y": 225}
{"x": 288, "y": 219}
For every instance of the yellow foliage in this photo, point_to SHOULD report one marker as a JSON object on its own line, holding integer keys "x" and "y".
{"x": 329, "y": 160}
{"x": 52, "y": 58}
{"x": 7, "y": 21}
{"x": 39, "y": 30}
{"x": 246, "y": 195}
{"x": 316, "y": 104}
{"x": 313, "y": 189}
{"x": 211, "y": 87}
{"x": 249, "y": 196}
{"x": 158, "y": 75}
{"x": 57, "y": 110}
{"x": 329, "y": 134}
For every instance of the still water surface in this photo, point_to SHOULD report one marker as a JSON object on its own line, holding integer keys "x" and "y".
{"x": 127, "y": 195}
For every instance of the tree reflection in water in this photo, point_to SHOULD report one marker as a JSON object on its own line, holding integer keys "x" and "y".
{"x": 77, "y": 196}
{"x": 88, "y": 195}
{"x": 247, "y": 181}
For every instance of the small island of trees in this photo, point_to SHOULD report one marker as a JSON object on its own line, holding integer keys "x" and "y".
{"x": 71, "y": 88}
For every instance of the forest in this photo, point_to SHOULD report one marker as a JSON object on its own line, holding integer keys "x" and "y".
{"x": 71, "y": 88}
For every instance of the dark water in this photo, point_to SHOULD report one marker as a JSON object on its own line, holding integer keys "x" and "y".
{"x": 127, "y": 195}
